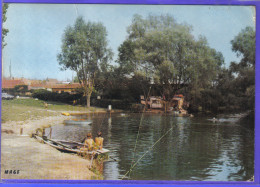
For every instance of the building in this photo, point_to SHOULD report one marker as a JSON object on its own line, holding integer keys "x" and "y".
{"x": 177, "y": 102}
{"x": 52, "y": 85}
{"x": 69, "y": 88}
{"x": 37, "y": 86}
{"x": 11, "y": 83}
{"x": 155, "y": 102}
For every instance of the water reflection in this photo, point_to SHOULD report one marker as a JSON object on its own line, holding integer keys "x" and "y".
{"x": 195, "y": 148}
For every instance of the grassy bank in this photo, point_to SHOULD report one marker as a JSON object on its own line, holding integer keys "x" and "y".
{"x": 28, "y": 155}
{"x": 31, "y": 109}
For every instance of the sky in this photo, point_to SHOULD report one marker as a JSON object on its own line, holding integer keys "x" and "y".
{"x": 35, "y": 31}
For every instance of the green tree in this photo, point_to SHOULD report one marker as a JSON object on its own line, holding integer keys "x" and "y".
{"x": 165, "y": 53}
{"x": 237, "y": 84}
{"x": 244, "y": 46}
{"x": 4, "y": 30}
{"x": 85, "y": 51}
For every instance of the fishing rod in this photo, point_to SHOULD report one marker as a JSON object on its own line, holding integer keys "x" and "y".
{"x": 137, "y": 137}
{"x": 149, "y": 149}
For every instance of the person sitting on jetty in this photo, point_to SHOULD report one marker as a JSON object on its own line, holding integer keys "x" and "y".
{"x": 88, "y": 143}
{"x": 99, "y": 140}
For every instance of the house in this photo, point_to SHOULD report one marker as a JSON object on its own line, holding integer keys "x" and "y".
{"x": 11, "y": 83}
{"x": 155, "y": 102}
{"x": 36, "y": 86}
{"x": 69, "y": 88}
{"x": 8, "y": 86}
{"x": 177, "y": 102}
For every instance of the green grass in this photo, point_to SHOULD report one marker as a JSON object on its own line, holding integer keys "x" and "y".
{"x": 26, "y": 109}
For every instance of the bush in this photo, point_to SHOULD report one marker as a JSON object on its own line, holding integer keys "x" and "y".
{"x": 117, "y": 104}
{"x": 21, "y": 88}
{"x": 53, "y": 96}
{"x": 17, "y": 90}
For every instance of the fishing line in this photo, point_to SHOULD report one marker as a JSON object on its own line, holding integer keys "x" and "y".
{"x": 149, "y": 149}
{"x": 137, "y": 137}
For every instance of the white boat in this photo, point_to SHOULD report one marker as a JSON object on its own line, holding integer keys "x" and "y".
{"x": 77, "y": 122}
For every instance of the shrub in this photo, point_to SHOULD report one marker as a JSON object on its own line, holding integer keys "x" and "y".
{"x": 53, "y": 96}
{"x": 117, "y": 104}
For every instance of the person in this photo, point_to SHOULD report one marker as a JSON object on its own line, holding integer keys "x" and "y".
{"x": 99, "y": 140}
{"x": 88, "y": 143}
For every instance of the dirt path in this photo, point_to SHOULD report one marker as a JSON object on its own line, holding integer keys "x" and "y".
{"x": 35, "y": 160}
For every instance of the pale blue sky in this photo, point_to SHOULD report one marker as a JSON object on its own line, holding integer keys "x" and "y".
{"x": 35, "y": 30}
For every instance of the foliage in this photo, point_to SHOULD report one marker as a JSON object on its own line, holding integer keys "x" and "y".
{"x": 235, "y": 86}
{"x": 53, "y": 96}
{"x": 116, "y": 104}
{"x": 244, "y": 82}
{"x": 21, "y": 88}
{"x": 85, "y": 51}
{"x": 112, "y": 84}
{"x": 17, "y": 90}
{"x": 161, "y": 57}
{"x": 162, "y": 53}
{"x": 4, "y": 18}
{"x": 244, "y": 45}
{"x": 159, "y": 50}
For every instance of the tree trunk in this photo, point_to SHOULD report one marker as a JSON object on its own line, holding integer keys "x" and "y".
{"x": 88, "y": 100}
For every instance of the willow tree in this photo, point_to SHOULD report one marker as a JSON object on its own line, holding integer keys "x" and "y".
{"x": 85, "y": 51}
{"x": 166, "y": 53}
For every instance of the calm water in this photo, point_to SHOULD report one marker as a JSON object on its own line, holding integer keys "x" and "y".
{"x": 194, "y": 149}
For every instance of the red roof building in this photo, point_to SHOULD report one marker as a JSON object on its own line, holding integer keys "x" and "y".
{"x": 35, "y": 86}
{"x": 8, "y": 84}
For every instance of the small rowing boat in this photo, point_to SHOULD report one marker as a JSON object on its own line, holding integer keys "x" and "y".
{"x": 65, "y": 113}
{"x": 69, "y": 146}
{"x": 77, "y": 122}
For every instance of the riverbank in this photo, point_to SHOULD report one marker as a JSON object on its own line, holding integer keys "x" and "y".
{"x": 33, "y": 159}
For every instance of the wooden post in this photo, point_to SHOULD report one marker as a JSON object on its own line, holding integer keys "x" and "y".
{"x": 21, "y": 131}
{"x": 110, "y": 109}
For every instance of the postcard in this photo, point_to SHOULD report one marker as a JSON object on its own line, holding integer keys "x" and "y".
{"x": 116, "y": 92}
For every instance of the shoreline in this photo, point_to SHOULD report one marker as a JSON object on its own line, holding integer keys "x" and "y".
{"x": 36, "y": 160}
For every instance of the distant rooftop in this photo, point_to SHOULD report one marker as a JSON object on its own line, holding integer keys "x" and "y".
{"x": 9, "y": 83}
{"x": 72, "y": 85}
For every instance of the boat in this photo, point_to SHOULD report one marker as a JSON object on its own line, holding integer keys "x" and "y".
{"x": 68, "y": 146}
{"x": 77, "y": 122}
{"x": 65, "y": 113}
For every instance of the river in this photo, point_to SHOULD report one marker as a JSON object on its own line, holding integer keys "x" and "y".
{"x": 170, "y": 147}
